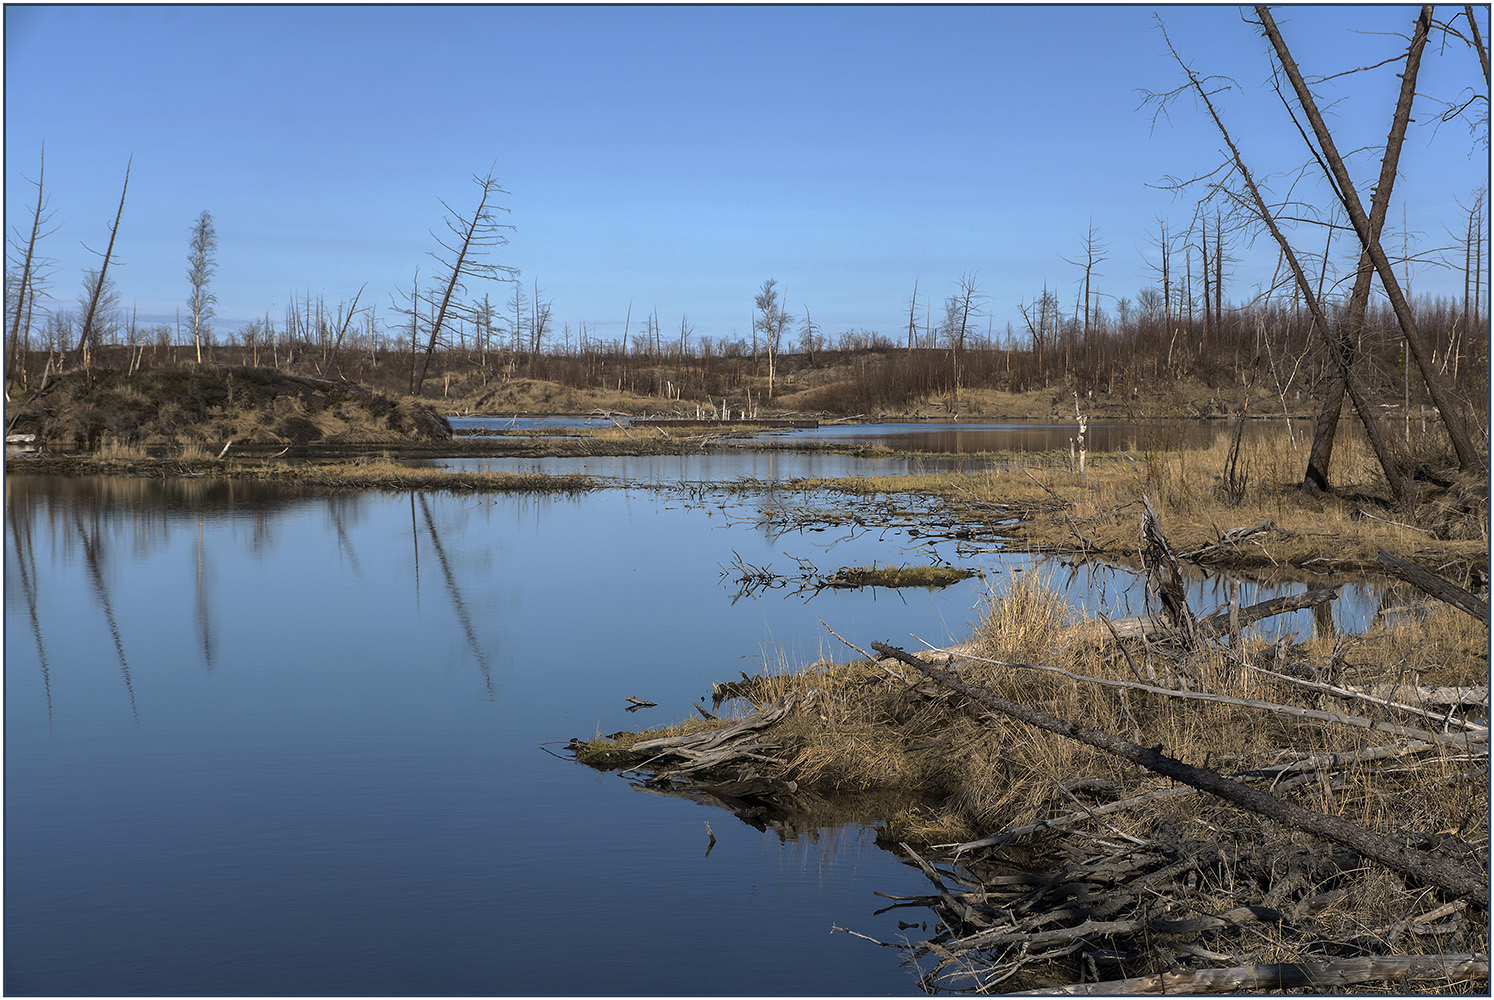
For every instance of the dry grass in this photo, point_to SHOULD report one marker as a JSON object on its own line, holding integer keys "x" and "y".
{"x": 111, "y": 450}
{"x": 966, "y": 772}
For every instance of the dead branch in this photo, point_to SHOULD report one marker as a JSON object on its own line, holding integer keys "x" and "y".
{"x": 1296, "y": 711}
{"x": 1458, "y": 880}
{"x": 1289, "y": 975}
{"x": 1218, "y": 624}
{"x": 1433, "y": 584}
{"x": 1351, "y": 694}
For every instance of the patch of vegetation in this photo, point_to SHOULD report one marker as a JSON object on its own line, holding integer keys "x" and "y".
{"x": 1070, "y": 814}
{"x": 210, "y": 405}
{"x": 928, "y": 577}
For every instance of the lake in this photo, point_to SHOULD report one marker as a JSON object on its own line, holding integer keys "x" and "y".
{"x": 265, "y": 740}
{"x": 962, "y": 438}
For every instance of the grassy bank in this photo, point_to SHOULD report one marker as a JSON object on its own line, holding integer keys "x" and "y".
{"x": 949, "y": 775}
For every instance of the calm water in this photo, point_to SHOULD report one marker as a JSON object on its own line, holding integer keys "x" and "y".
{"x": 967, "y": 438}
{"x": 722, "y": 466}
{"x": 261, "y": 741}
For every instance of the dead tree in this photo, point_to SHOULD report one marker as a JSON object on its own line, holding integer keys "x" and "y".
{"x": 100, "y": 282}
{"x": 912, "y": 308}
{"x": 1257, "y": 203}
{"x": 1447, "y": 405}
{"x": 476, "y": 235}
{"x": 28, "y": 284}
{"x": 1321, "y": 454}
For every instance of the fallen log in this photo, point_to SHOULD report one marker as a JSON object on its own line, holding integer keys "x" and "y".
{"x": 1288, "y": 975}
{"x": 1352, "y": 694}
{"x": 1218, "y": 624}
{"x": 1458, "y": 880}
{"x": 1443, "y": 590}
{"x": 1474, "y": 695}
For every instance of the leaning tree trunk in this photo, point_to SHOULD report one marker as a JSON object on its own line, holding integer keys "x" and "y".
{"x": 1398, "y": 484}
{"x": 98, "y": 288}
{"x": 1447, "y": 405}
{"x": 1321, "y": 455}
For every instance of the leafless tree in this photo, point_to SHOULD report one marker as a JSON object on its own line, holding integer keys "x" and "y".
{"x": 472, "y": 237}
{"x": 771, "y": 319}
{"x": 1266, "y": 216}
{"x": 100, "y": 297}
{"x": 809, "y": 335}
{"x": 1447, "y": 405}
{"x": 21, "y": 252}
{"x": 1320, "y": 456}
{"x": 1164, "y": 241}
{"x": 518, "y": 303}
{"x": 1096, "y": 252}
{"x": 959, "y": 309}
{"x": 97, "y": 282}
{"x": 202, "y": 263}
{"x": 912, "y": 310}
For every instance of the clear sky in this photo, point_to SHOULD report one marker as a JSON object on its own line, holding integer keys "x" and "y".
{"x": 672, "y": 158}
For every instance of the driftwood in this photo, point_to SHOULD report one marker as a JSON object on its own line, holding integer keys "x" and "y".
{"x": 1458, "y": 880}
{"x": 1433, "y": 584}
{"x": 1477, "y": 694}
{"x": 1218, "y": 624}
{"x": 1479, "y": 731}
{"x": 1289, "y": 975}
{"x": 1304, "y": 768}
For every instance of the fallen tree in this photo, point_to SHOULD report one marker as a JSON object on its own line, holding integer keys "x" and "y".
{"x": 1457, "y": 880}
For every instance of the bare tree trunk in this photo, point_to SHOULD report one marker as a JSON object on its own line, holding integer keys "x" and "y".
{"x": 98, "y": 288}
{"x": 1447, "y": 405}
{"x": 477, "y": 234}
{"x": 1397, "y": 482}
{"x": 912, "y": 306}
{"x": 1321, "y": 455}
{"x": 26, "y": 293}
{"x": 1478, "y": 42}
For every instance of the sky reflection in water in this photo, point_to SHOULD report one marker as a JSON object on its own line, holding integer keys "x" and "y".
{"x": 264, "y": 741}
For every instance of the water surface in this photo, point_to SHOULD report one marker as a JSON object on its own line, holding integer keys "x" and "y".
{"x": 261, "y": 740}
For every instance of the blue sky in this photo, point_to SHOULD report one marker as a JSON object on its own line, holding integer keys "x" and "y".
{"x": 672, "y": 158}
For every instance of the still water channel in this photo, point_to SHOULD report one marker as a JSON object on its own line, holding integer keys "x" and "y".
{"x": 261, "y": 740}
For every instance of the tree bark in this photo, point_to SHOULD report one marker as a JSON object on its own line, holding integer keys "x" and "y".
{"x": 1439, "y": 588}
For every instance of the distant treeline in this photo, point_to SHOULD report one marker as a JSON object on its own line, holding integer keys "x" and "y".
{"x": 857, "y": 371}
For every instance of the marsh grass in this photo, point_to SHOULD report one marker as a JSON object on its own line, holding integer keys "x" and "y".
{"x": 940, "y": 771}
{"x": 112, "y": 450}
{"x": 966, "y": 772}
